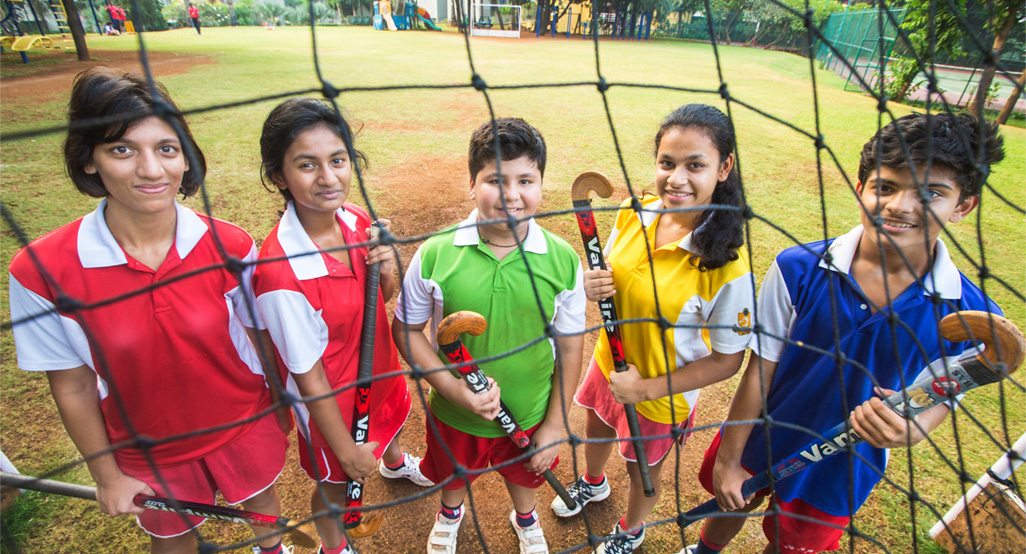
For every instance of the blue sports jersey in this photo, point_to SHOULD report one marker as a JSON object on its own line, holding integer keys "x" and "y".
{"x": 795, "y": 301}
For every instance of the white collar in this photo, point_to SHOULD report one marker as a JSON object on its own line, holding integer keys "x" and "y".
{"x": 97, "y": 247}
{"x": 467, "y": 235}
{"x": 304, "y": 256}
{"x": 943, "y": 275}
{"x": 648, "y": 215}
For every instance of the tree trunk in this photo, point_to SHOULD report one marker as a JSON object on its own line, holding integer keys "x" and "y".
{"x": 1010, "y": 104}
{"x": 77, "y": 32}
{"x": 987, "y": 77}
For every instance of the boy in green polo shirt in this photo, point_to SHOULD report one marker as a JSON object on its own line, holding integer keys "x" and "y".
{"x": 486, "y": 264}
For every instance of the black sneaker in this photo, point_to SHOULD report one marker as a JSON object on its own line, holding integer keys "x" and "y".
{"x": 582, "y": 492}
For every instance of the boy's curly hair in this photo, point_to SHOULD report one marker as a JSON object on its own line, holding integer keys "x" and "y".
{"x": 959, "y": 143}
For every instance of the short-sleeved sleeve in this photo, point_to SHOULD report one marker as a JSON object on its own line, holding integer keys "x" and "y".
{"x": 570, "y": 307}
{"x": 732, "y": 303}
{"x": 42, "y": 343}
{"x": 416, "y": 297}
{"x": 298, "y": 331}
{"x": 775, "y": 315}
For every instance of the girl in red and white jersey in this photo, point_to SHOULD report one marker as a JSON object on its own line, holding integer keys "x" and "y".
{"x": 141, "y": 325}
{"x": 311, "y": 294}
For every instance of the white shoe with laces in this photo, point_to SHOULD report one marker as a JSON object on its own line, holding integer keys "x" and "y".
{"x": 410, "y": 470}
{"x": 689, "y": 549}
{"x": 532, "y": 539}
{"x": 443, "y": 535}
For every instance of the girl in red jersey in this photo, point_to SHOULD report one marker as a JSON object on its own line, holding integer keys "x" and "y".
{"x": 311, "y": 293}
{"x": 149, "y": 364}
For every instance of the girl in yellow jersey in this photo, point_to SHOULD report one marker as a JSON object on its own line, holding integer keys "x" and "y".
{"x": 703, "y": 294}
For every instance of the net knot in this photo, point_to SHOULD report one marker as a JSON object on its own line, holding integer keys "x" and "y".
{"x": 636, "y": 204}
{"x": 286, "y": 398}
{"x": 144, "y": 443}
{"x": 67, "y": 304}
{"x": 747, "y": 212}
{"x": 416, "y": 372}
{"x": 235, "y": 265}
{"x": 881, "y": 104}
{"x": 820, "y": 143}
{"x": 603, "y": 86}
{"x": 163, "y": 110}
{"x": 984, "y": 273}
{"x": 478, "y": 83}
{"x": 206, "y": 547}
{"x": 574, "y": 440}
{"x": 329, "y": 91}
{"x": 724, "y": 93}
{"x": 931, "y": 85}
{"x": 665, "y": 324}
{"x": 828, "y": 258}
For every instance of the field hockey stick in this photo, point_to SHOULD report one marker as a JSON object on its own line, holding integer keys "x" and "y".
{"x": 356, "y": 523}
{"x": 301, "y": 533}
{"x": 449, "y": 342}
{"x": 961, "y": 376}
{"x": 584, "y": 185}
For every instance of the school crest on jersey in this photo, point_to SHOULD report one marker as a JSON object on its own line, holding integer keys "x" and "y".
{"x": 744, "y": 322}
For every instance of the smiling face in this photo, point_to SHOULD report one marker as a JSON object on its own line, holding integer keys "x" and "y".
{"x": 316, "y": 169}
{"x": 519, "y": 184}
{"x": 142, "y": 171}
{"x": 688, "y": 167}
{"x": 907, "y": 218}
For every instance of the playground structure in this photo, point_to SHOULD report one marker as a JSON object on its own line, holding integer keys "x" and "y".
{"x": 578, "y": 18}
{"x": 14, "y": 38}
{"x": 412, "y": 17}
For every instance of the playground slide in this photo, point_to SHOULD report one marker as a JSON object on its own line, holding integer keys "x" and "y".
{"x": 388, "y": 21}
{"x": 428, "y": 23}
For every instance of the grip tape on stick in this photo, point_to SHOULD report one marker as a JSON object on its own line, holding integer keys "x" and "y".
{"x": 353, "y": 520}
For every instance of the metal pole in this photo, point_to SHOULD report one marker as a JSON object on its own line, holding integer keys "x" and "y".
{"x": 99, "y": 28}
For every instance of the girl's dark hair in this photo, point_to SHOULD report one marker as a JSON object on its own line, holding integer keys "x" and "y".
{"x": 102, "y": 92}
{"x": 719, "y": 232}
{"x": 951, "y": 141}
{"x": 286, "y": 122}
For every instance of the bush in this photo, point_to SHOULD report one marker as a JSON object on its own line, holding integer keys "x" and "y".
{"x": 245, "y": 12}
{"x": 175, "y": 12}
{"x": 214, "y": 15}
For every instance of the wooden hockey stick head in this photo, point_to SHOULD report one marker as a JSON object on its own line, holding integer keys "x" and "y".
{"x": 369, "y": 524}
{"x": 589, "y": 182}
{"x": 450, "y": 329}
{"x": 1005, "y": 341}
{"x": 302, "y": 534}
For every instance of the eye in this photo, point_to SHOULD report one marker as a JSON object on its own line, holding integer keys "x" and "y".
{"x": 339, "y": 160}
{"x": 120, "y": 150}
{"x": 168, "y": 149}
{"x": 665, "y": 164}
{"x": 697, "y": 165}
{"x": 306, "y": 165}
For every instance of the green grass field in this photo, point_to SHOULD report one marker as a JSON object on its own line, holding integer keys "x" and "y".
{"x": 418, "y": 137}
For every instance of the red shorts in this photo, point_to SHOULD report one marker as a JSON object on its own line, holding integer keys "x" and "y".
{"x": 594, "y": 395}
{"x": 474, "y": 453}
{"x": 796, "y": 535}
{"x": 240, "y": 470}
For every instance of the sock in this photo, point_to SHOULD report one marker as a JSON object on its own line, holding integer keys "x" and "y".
{"x": 451, "y": 513}
{"x": 706, "y": 547}
{"x": 338, "y": 550}
{"x": 276, "y": 549}
{"x": 594, "y": 480}
{"x": 634, "y": 532}
{"x": 527, "y": 520}
{"x": 397, "y": 465}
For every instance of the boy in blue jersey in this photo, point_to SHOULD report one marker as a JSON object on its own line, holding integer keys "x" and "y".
{"x": 893, "y": 264}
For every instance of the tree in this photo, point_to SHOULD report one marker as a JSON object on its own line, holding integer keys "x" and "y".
{"x": 1004, "y": 15}
{"x": 947, "y": 38}
{"x": 1010, "y": 104}
{"x": 149, "y": 17}
{"x": 77, "y": 32}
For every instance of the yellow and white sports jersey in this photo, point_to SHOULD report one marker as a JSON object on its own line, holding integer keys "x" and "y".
{"x": 703, "y": 307}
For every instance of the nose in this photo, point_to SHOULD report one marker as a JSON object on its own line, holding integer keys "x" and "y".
{"x": 679, "y": 176}
{"x": 326, "y": 176}
{"x": 510, "y": 192}
{"x": 149, "y": 166}
{"x": 904, "y": 201}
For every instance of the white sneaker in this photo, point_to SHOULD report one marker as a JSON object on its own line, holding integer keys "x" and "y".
{"x": 689, "y": 549}
{"x": 532, "y": 539}
{"x": 582, "y": 492}
{"x": 347, "y": 550}
{"x": 620, "y": 542}
{"x": 410, "y": 470}
{"x": 443, "y": 535}
{"x": 285, "y": 549}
